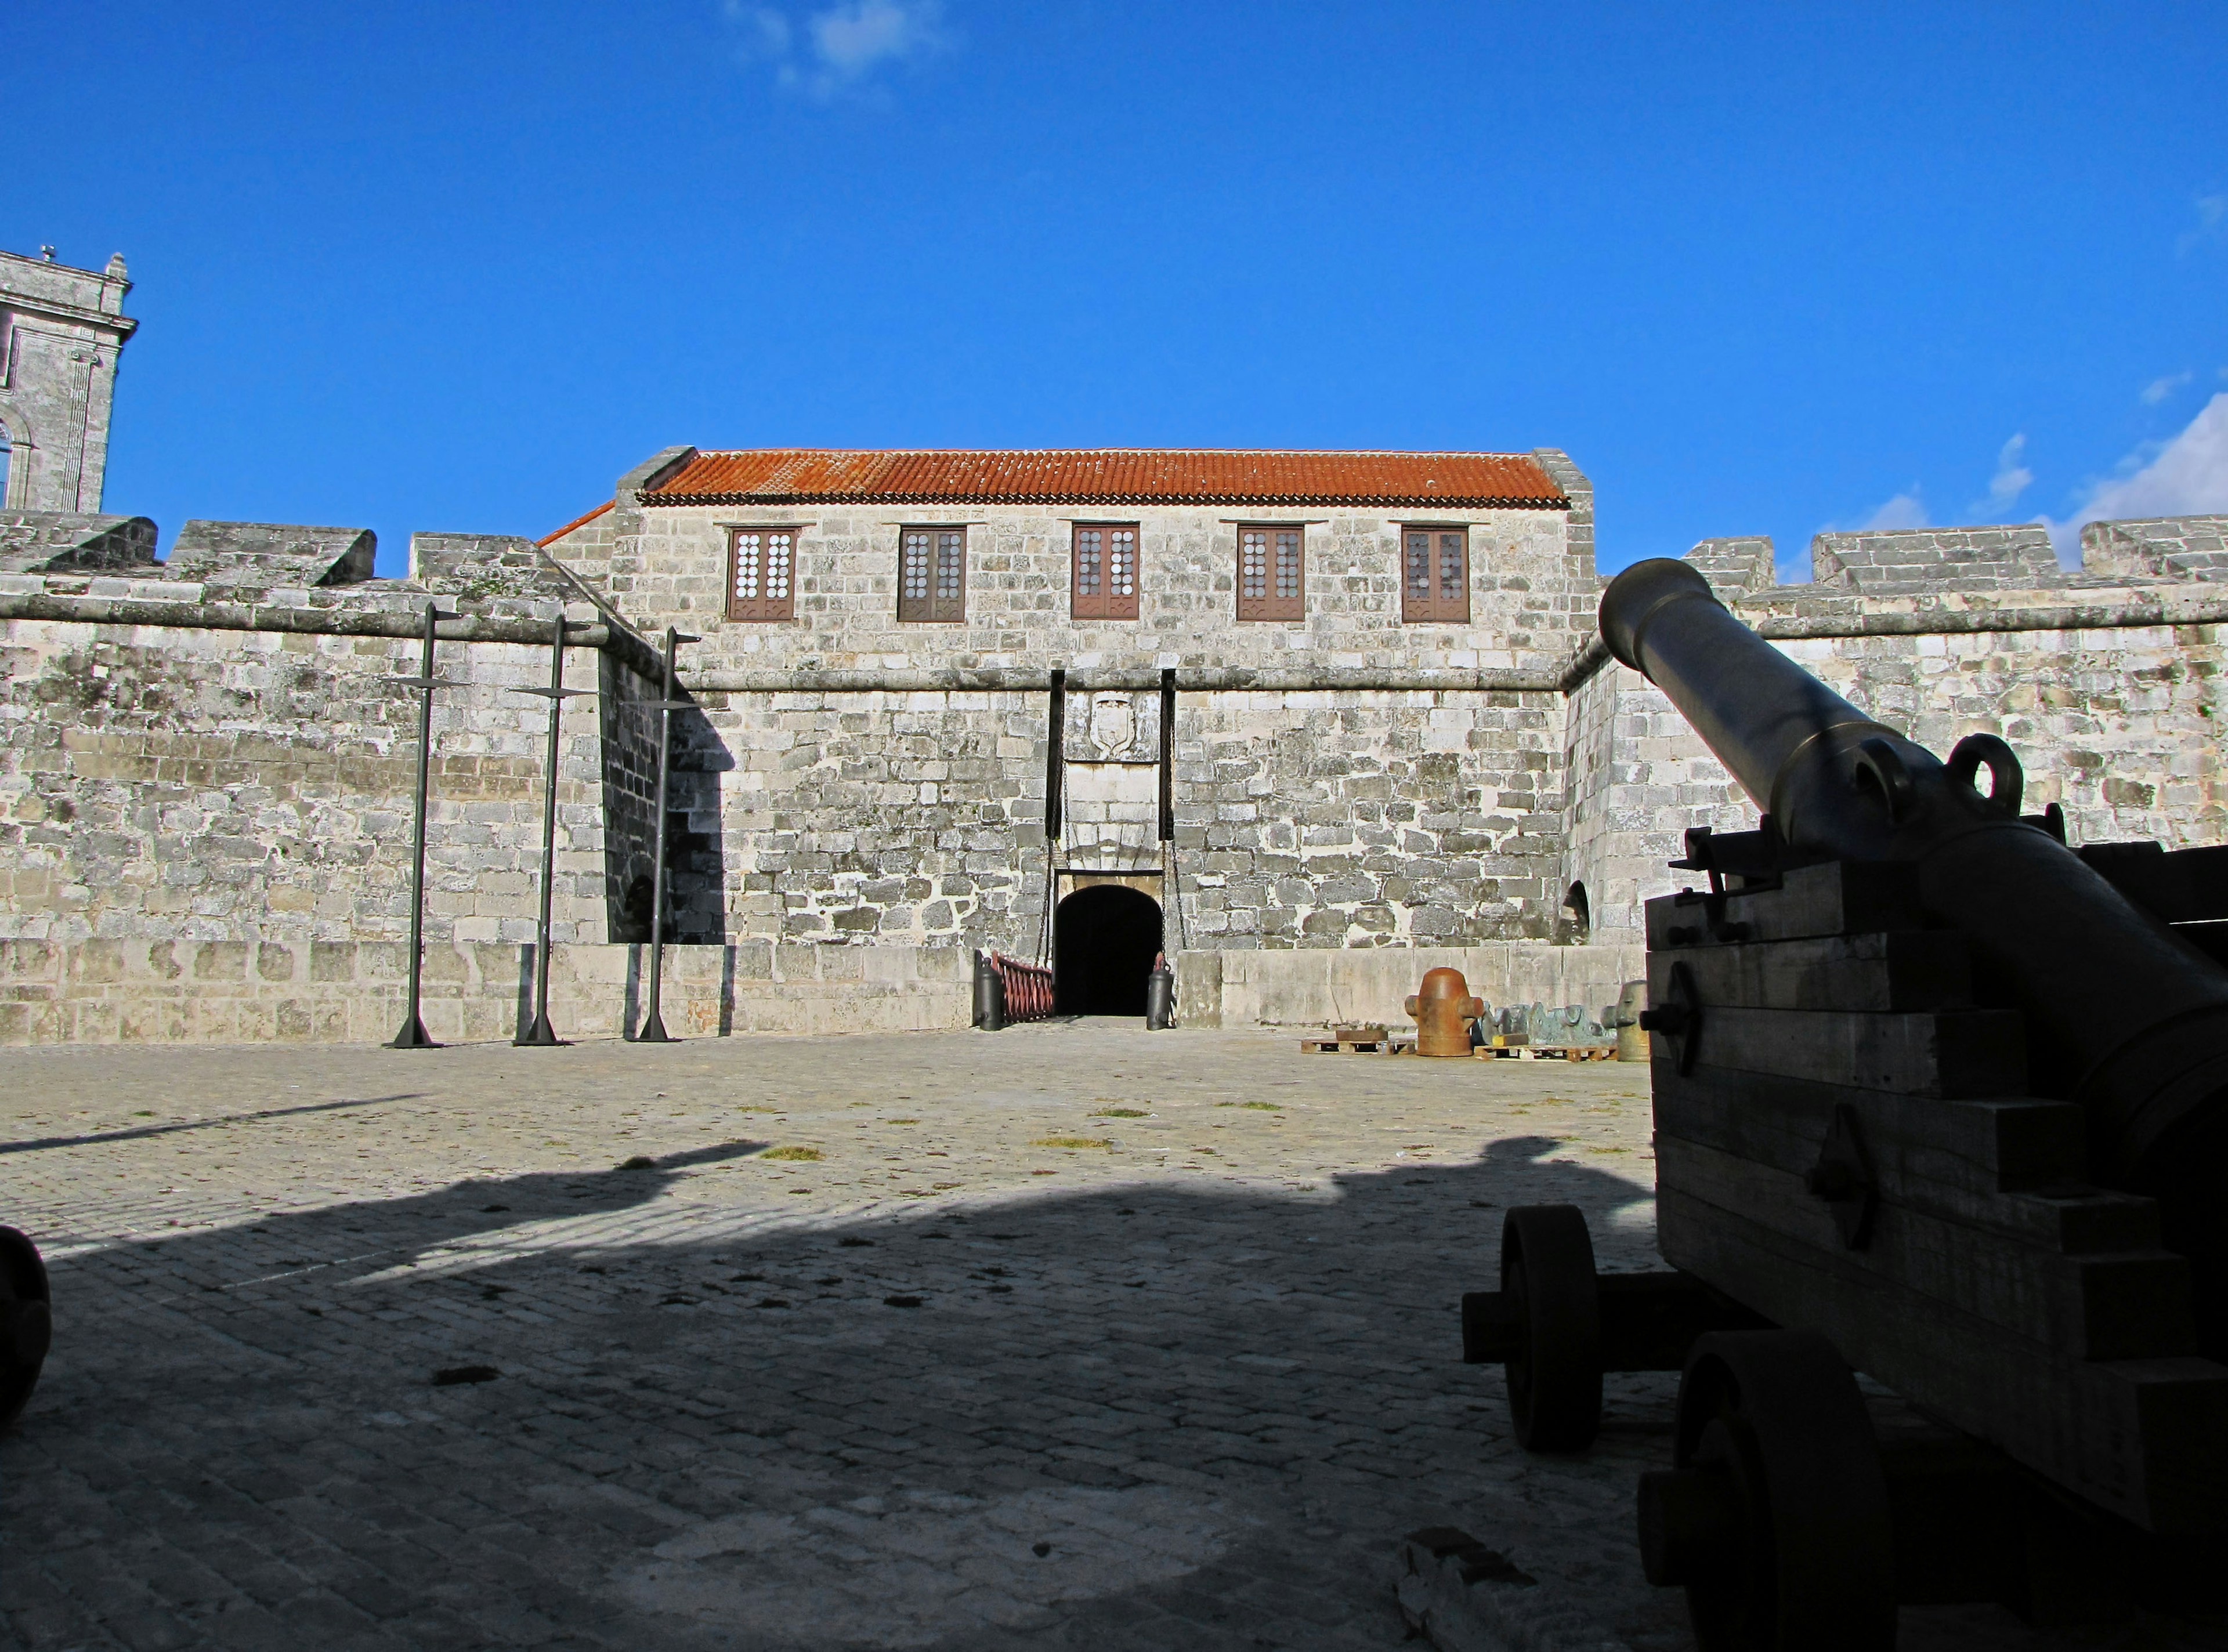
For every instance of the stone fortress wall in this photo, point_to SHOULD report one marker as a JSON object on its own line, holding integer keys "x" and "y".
{"x": 206, "y": 779}
{"x": 2105, "y": 681}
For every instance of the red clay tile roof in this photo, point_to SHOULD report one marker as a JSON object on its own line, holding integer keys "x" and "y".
{"x": 1108, "y": 476}
{"x": 548, "y": 540}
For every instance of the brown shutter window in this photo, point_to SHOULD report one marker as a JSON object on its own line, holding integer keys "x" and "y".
{"x": 1103, "y": 584}
{"x": 931, "y": 575}
{"x": 1435, "y": 576}
{"x": 1271, "y": 573}
{"x": 762, "y": 573}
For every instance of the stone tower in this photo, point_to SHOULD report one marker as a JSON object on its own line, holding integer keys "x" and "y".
{"x": 62, "y": 331}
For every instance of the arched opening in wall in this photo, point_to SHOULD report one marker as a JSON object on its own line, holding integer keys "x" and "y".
{"x": 1578, "y": 916}
{"x": 1105, "y": 939}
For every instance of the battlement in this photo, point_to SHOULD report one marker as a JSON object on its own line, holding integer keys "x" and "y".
{"x": 2185, "y": 547}
{"x": 1736, "y": 565}
{"x": 53, "y": 541}
{"x": 1901, "y": 562}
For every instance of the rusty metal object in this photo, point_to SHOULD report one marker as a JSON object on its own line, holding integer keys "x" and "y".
{"x": 1442, "y": 1009}
{"x": 1623, "y": 1019}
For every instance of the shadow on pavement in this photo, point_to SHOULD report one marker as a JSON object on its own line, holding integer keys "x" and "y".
{"x": 1154, "y": 1416}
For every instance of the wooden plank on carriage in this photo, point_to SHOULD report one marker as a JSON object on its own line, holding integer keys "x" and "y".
{"x": 2145, "y": 1438}
{"x": 1840, "y": 897}
{"x": 2013, "y": 1164}
{"x": 2110, "y": 1305}
{"x": 1947, "y": 1053}
{"x": 1898, "y": 970}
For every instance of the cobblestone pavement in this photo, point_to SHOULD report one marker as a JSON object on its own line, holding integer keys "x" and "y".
{"x": 1069, "y": 1336}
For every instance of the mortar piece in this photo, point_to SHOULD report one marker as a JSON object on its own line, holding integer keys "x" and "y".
{"x": 1444, "y": 1008}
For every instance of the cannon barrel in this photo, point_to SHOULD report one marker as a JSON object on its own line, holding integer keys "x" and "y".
{"x": 2123, "y": 1017}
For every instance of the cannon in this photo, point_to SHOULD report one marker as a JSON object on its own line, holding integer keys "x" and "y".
{"x": 26, "y": 1322}
{"x": 1939, "y": 1100}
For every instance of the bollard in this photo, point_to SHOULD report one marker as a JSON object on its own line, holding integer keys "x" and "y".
{"x": 989, "y": 996}
{"x": 1160, "y": 995}
{"x": 1444, "y": 1008}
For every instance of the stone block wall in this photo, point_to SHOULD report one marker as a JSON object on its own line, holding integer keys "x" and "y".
{"x": 32, "y": 542}
{"x": 1532, "y": 595}
{"x": 2186, "y": 548}
{"x": 1910, "y": 561}
{"x": 872, "y": 819}
{"x": 61, "y": 332}
{"x": 1357, "y": 818}
{"x": 2106, "y": 685}
{"x": 225, "y": 760}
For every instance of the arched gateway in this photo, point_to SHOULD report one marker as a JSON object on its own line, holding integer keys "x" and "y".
{"x": 1104, "y": 939}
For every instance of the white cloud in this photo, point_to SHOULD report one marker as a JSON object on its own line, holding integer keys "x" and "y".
{"x": 762, "y": 32}
{"x": 1906, "y": 509}
{"x": 838, "y": 46}
{"x": 2186, "y": 476}
{"x": 852, "y": 39}
{"x": 2159, "y": 389}
{"x": 2211, "y": 223}
{"x": 2012, "y": 478}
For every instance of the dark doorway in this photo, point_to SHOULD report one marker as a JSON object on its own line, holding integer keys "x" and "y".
{"x": 1105, "y": 939}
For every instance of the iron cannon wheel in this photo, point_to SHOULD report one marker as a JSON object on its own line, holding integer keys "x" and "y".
{"x": 1555, "y": 1374}
{"x": 26, "y": 1322}
{"x": 1776, "y": 1518}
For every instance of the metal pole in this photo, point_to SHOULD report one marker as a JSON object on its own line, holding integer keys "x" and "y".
{"x": 541, "y": 1032}
{"x": 653, "y": 1026}
{"x": 412, "y": 1033}
{"x": 1056, "y": 759}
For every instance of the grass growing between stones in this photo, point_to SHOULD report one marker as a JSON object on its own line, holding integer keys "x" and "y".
{"x": 1070, "y": 1141}
{"x": 797, "y": 1155}
{"x": 1120, "y": 1112}
{"x": 1252, "y": 1107}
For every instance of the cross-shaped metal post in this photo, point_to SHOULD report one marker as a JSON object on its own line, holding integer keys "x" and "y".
{"x": 412, "y": 1035}
{"x": 653, "y": 1025}
{"x": 541, "y": 1032}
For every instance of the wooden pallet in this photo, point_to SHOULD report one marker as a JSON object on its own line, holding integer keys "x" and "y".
{"x": 1545, "y": 1052}
{"x": 1387, "y": 1046}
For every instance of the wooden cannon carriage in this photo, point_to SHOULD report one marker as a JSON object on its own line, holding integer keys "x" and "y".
{"x": 1936, "y": 1100}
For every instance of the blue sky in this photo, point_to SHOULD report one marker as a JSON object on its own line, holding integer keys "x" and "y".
{"x": 1759, "y": 268}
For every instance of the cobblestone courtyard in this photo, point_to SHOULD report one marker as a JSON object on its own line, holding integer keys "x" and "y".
{"x": 1070, "y": 1335}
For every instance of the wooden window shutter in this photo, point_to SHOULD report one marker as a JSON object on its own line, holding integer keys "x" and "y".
{"x": 1103, "y": 583}
{"x": 1435, "y": 575}
{"x": 1271, "y": 573}
{"x": 932, "y": 575}
{"x": 762, "y": 574}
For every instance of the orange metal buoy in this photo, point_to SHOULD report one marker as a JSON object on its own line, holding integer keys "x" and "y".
{"x": 1443, "y": 1010}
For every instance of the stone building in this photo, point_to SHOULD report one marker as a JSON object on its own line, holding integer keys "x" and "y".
{"x": 1312, "y": 723}
{"x": 61, "y": 334}
{"x": 1364, "y": 656}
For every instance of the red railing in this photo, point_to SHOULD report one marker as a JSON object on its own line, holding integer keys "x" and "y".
{"x": 1027, "y": 987}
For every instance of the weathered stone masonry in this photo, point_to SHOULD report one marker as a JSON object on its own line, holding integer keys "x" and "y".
{"x": 1342, "y": 780}
{"x": 2106, "y": 683}
{"x": 205, "y": 780}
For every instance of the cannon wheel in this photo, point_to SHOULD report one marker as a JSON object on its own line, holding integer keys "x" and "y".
{"x": 1555, "y": 1374}
{"x": 25, "y": 1322}
{"x": 1776, "y": 1518}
